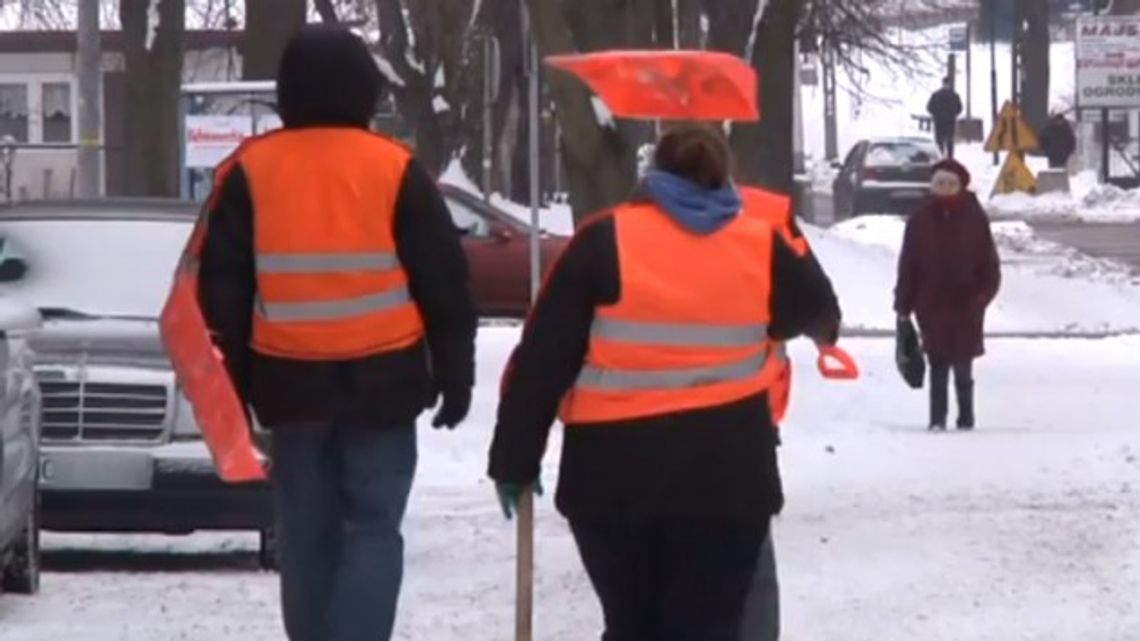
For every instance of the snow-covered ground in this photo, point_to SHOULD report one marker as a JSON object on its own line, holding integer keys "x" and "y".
{"x": 1025, "y": 529}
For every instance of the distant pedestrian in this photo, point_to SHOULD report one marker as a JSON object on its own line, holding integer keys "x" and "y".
{"x": 949, "y": 272}
{"x": 1058, "y": 141}
{"x": 335, "y": 283}
{"x": 944, "y": 108}
{"x": 655, "y": 340}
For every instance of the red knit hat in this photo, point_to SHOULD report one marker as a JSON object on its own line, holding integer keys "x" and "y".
{"x": 951, "y": 165}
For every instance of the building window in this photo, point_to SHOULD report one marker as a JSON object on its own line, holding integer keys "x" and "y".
{"x": 57, "y": 112}
{"x": 14, "y": 111}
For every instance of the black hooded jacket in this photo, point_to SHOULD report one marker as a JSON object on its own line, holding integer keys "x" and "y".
{"x": 327, "y": 78}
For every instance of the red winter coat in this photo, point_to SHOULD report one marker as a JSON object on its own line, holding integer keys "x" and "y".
{"x": 949, "y": 272}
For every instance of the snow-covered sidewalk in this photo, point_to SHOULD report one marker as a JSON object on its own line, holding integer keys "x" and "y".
{"x": 1025, "y": 529}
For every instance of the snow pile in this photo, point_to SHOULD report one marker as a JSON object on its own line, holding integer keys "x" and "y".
{"x": 1046, "y": 288}
{"x": 1089, "y": 201}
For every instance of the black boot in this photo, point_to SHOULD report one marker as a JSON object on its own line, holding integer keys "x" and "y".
{"x": 939, "y": 392}
{"x": 965, "y": 405}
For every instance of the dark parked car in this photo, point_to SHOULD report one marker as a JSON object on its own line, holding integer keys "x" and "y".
{"x": 498, "y": 249}
{"x": 19, "y": 446}
{"x": 884, "y": 176}
{"x": 120, "y": 448}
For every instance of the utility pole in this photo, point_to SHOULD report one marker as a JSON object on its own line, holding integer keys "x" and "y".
{"x": 830, "y": 126}
{"x": 90, "y": 83}
{"x": 993, "y": 71}
{"x": 490, "y": 92}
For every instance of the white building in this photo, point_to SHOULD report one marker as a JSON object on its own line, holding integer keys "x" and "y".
{"x": 38, "y": 102}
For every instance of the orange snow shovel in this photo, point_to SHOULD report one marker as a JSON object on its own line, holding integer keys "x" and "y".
{"x": 836, "y": 364}
{"x": 202, "y": 374}
{"x": 668, "y": 85}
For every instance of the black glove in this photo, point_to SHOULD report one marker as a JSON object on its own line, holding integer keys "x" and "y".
{"x": 456, "y": 404}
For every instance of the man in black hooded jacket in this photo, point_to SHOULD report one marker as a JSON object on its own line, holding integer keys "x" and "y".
{"x": 335, "y": 284}
{"x": 944, "y": 108}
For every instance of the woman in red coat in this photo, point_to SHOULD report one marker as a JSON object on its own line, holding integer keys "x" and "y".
{"x": 949, "y": 272}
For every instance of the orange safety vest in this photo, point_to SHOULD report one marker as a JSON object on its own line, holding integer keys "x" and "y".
{"x": 691, "y": 327}
{"x": 329, "y": 283}
{"x": 776, "y": 210}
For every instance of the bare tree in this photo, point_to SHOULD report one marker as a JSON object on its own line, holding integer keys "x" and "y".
{"x": 427, "y": 48}
{"x": 153, "y": 50}
{"x": 764, "y": 150}
{"x": 599, "y": 159}
{"x": 268, "y": 26}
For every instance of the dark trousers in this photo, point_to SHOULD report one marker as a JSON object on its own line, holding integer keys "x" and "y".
{"x": 761, "y": 621}
{"x": 944, "y": 138}
{"x": 341, "y": 494}
{"x": 939, "y": 391}
{"x": 670, "y": 579}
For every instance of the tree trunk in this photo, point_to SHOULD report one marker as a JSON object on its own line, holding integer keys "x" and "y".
{"x": 268, "y": 26}
{"x": 764, "y": 151}
{"x": 507, "y": 21}
{"x": 1035, "y": 62}
{"x": 599, "y": 161}
{"x": 664, "y": 33}
{"x": 730, "y": 24}
{"x": 689, "y": 24}
{"x": 153, "y": 79}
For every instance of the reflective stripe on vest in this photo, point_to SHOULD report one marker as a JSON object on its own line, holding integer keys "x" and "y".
{"x": 331, "y": 310}
{"x": 678, "y": 335}
{"x": 674, "y": 379}
{"x": 325, "y": 263}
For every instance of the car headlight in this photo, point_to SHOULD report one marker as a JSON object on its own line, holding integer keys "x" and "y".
{"x": 185, "y": 425}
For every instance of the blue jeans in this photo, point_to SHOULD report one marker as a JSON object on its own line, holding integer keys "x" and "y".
{"x": 341, "y": 492}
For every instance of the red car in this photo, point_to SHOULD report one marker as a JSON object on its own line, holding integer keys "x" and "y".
{"x": 498, "y": 251}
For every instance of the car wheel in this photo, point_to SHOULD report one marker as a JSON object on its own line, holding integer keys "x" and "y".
{"x": 22, "y": 574}
{"x": 267, "y": 550}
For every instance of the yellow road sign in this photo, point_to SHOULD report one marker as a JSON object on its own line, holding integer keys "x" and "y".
{"x": 1011, "y": 133}
{"x": 1015, "y": 176}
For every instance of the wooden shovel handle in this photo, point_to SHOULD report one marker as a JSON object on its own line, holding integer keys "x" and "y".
{"x": 524, "y": 569}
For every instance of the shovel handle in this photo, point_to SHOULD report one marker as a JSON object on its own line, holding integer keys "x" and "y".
{"x": 836, "y": 364}
{"x": 524, "y": 569}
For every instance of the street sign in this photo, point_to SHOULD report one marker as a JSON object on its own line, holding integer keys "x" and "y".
{"x": 959, "y": 38}
{"x": 1108, "y": 62}
{"x": 1011, "y": 133}
{"x": 1015, "y": 176}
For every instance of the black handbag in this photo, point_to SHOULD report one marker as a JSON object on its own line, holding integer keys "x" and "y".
{"x": 908, "y": 354}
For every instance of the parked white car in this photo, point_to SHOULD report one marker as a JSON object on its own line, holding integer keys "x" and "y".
{"x": 121, "y": 450}
{"x": 19, "y": 447}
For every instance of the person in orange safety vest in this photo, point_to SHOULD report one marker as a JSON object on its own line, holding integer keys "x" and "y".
{"x": 334, "y": 282}
{"x": 654, "y": 340}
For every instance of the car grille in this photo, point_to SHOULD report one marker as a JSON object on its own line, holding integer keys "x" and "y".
{"x": 101, "y": 411}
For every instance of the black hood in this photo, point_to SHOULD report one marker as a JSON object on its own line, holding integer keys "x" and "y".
{"x": 327, "y": 78}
